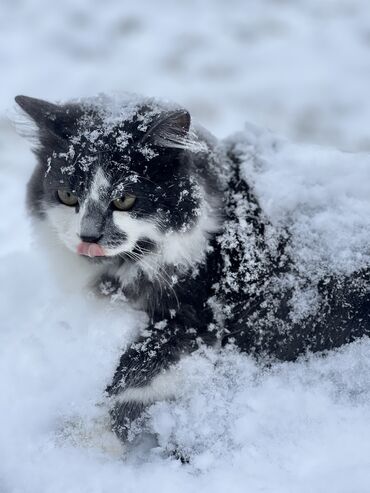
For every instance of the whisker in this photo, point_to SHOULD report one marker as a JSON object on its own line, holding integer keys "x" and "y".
{"x": 159, "y": 273}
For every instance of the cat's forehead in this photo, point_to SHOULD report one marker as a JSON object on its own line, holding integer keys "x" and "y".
{"x": 99, "y": 128}
{"x": 110, "y": 146}
{"x": 101, "y": 134}
{"x": 89, "y": 175}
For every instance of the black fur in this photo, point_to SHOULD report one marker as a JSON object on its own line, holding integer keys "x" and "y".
{"x": 235, "y": 294}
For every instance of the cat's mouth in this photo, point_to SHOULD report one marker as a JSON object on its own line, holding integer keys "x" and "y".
{"x": 95, "y": 252}
{"x": 90, "y": 250}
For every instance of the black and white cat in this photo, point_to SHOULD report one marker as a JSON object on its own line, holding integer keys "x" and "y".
{"x": 152, "y": 207}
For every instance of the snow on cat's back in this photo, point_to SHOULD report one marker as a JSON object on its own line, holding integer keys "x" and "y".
{"x": 321, "y": 195}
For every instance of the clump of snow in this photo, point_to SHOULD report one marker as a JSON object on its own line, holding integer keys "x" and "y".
{"x": 321, "y": 196}
{"x": 288, "y": 423}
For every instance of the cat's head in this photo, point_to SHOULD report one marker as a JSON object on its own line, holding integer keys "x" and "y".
{"x": 116, "y": 178}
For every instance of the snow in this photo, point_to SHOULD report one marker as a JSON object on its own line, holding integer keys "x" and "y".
{"x": 298, "y": 67}
{"x": 321, "y": 195}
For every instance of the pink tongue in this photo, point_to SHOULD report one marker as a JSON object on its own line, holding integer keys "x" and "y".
{"x": 90, "y": 250}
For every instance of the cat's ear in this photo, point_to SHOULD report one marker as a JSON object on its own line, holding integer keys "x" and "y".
{"x": 170, "y": 130}
{"x": 47, "y": 116}
{"x": 42, "y": 112}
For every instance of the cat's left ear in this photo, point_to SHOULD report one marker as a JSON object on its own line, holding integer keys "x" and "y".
{"x": 170, "y": 130}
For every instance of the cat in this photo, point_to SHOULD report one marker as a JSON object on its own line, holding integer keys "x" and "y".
{"x": 154, "y": 209}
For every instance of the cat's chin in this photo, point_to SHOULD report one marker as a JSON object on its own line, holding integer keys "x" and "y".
{"x": 102, "y": 260}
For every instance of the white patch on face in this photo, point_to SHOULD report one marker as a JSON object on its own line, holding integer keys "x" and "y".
{"x": 66, "y": 223}
{"x": 134, "y": 229}
{"x": 98, "y": 186}
{"x": 74, "y": 273}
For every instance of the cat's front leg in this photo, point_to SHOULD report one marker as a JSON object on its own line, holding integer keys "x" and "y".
{"x": 147, "y": 372}
{"x": 129, "y": 405}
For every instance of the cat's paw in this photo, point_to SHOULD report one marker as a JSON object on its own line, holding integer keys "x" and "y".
{"x": 179, "y": 455}
{"x": 110, "y": 286}
{"x": 92, "y": 434}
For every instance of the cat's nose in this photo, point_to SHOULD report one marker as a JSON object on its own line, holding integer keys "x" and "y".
{"x": 90, "y": 239}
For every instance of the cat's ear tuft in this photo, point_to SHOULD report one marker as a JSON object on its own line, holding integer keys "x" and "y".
{"x": 43, "y": 113}
{"x": 170, "y": 130}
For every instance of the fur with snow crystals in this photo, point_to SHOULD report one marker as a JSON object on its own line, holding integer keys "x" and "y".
{"x": 196, "y": 252}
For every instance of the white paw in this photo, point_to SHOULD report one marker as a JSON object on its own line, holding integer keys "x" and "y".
{"x": 90, "y": 433}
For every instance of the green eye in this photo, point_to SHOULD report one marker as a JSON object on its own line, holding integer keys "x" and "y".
{"x": 67, "y": 198}
{"x": 124, "y": 203}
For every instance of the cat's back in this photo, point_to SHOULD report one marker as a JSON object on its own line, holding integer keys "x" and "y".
{"x": 296, "y": 244}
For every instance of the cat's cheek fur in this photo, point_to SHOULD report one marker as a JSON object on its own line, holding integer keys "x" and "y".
{"x": 66, "y": 222}
{"x": 189, "y": 248}
{"x": 135, "y": 229}
{"x": 64, "y": 260}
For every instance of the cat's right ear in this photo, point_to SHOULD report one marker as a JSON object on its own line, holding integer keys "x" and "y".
{"x": 47, "y": 116}
{"x": 43, "y": 113}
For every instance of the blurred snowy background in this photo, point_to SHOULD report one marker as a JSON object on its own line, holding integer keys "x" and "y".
{"x": 299, "y": 67}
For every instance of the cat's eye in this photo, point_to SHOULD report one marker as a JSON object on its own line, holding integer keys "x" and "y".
{"x": 67, "y": 198}
{"x": 124, "y": 203}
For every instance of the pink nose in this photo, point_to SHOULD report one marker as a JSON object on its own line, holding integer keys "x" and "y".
{"x": 90, "y": 250}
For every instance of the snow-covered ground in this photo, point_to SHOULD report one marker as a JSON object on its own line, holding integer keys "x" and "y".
{"x": 300, "y": 67}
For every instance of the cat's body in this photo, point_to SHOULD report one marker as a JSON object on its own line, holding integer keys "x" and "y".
{"x": 173, "y": 228}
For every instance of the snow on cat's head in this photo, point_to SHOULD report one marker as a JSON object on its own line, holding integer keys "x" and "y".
{"x": 114, "y": 174}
